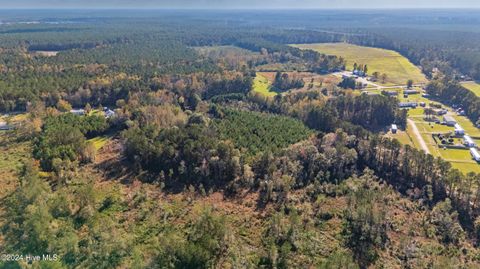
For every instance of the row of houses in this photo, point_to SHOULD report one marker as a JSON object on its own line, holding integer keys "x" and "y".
{"x": 467, "y": 140}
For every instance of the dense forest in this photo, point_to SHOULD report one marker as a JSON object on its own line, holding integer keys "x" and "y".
{"x": 172, "y": 160}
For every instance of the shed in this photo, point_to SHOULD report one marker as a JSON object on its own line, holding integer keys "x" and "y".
{"x": 394, "y": 128}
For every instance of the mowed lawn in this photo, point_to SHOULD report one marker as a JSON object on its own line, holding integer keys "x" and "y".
{"x": 473, "y": 87}
{"x": 398, "y": 68}
{"x": 262, "y": 85}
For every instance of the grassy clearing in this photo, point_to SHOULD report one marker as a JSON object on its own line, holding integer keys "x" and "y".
{"x": 100, "y": 141}
{"x": 468, "y": 126}
{"x": 262, "y": 85}
{"x": 466, "y": 167}
{"x": 402, "y": 137}
{"x": 473, "y": 87}
{"x": 425, "y": 127}
{"x": 398, "y": 68}
{"x": 456, "y": 154}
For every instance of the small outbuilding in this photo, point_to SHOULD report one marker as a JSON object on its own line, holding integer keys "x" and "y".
{"x": 394, "y": 128}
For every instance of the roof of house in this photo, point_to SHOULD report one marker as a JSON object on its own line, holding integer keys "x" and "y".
{"x": 458, "y": 127}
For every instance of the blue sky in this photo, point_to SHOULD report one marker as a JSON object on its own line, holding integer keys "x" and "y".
{"x": 243, "y": 4}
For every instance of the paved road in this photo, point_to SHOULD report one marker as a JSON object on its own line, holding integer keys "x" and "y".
{"x": 423, "y": 145}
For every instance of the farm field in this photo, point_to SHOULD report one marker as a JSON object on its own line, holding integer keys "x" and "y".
{"x": 473, "y": 87}
{"x": 398, "y": 68}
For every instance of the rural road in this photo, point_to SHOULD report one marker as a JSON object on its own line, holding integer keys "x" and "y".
{"x": 423, "y": 145}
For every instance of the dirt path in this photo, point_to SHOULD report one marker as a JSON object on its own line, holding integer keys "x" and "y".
{"x": 423, "y": 145}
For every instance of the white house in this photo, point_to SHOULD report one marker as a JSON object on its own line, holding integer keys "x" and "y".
{"x": 459, "y": 130}
{"x": 79, "y": 112}
{"x": 475, "y": 154}
{"x": 468, "y": 141}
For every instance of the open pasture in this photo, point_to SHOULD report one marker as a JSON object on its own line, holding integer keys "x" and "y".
{"x": 473, "y": 87}
{"x": 398, "y": 68}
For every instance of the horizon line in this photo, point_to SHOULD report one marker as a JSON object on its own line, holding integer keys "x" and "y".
{"x": 236, "y": 9}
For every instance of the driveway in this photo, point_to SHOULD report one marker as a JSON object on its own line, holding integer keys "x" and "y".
{"x": 415, "y": 130}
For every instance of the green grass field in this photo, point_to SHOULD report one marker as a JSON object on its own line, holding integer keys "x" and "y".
{"x": 473, "y": 87}
{"x": 466, "y": 167}
{"x": 402, "y": 137}
{"x": 262, "y": 85}
{"x": 425, "y": 127}
{"x": 398, "y": 68}
{"x": 99, "y": 141}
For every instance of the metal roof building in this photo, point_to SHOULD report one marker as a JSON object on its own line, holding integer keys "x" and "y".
{"x": 469, "y": 141}
{"x": 475, "y": 154}
{"x": 449, "y": 120}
